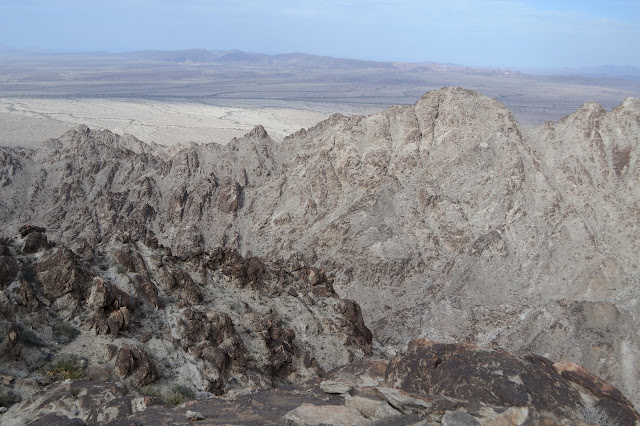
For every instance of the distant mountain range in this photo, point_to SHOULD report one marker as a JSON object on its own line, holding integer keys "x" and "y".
{"x": 241, "y": 58}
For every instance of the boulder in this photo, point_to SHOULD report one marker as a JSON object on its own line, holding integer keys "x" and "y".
{"x": 133, "y": 362}
{"x": 495, "y": 377}
{"x": 61, "y": 273}
{"x": 324, "y": 415}
{"x": 35, "y": 241}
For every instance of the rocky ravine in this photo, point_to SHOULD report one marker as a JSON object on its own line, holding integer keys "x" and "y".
{"x": 442, "y": 219}
{"x": 125, "y": 333}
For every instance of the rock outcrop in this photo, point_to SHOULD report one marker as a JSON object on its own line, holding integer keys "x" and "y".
{"x": 442, "y": 219}
{"x": 213, "y": 331}
{"x": 470, "y": 386}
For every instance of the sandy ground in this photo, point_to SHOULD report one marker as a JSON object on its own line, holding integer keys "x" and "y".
{"x": 29, "y": 122}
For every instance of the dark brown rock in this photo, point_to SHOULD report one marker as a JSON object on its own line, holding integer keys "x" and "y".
{"x": 97, "y": 321}
{"x": 101, "y": 294}
{"x": 353, "y": 322}
{"x": 34, "y": 242}
{"x": 490, "y": 377}
{"x": 8, "y": 269}
{"x": 148, "y": 290}
{"x": 110, "y": 308}
{"x": 61, "y": 273}
{"x": 4, "y": 249}
{"x": 179, "y": 279}
{"x": 250, "y": 271}
{"x": 10, "y": 346}
{"x": 27, "y": 229}
{"x": 609, "y": 398}
{"x": 98, "y": 373}
{"x": 318, "y": 282}
{"x": 133, "y": 362}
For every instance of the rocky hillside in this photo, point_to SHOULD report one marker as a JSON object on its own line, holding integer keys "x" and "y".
{"x": 441, "y": 219}
{"x": 131, "y": 311}
{"x": 125, "y": 333}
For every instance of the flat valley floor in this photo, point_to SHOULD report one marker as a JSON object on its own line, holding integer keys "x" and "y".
{"x": 28, "y": 122}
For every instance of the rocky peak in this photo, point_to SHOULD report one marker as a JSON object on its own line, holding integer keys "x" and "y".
{"x": 442, "y": 219}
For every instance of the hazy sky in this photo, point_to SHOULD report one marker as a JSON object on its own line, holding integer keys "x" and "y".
{"x": 499, "y": 33}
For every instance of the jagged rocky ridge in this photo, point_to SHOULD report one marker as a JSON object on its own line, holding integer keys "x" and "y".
{"x": 132, "y": 312}
{"x": 245, "y": 341}
{"x": 443, "y": 219}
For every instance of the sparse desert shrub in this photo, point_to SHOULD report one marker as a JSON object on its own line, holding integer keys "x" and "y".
{"x": 63, "y": 328}
{"x": 180, "y": 394}
{"x": 30, "y": 338}
{"x": 150, "y": 391}
{"x": 121, "y": 269}
{"x": 64, "y": 369}
{"x": 594, "y": 414}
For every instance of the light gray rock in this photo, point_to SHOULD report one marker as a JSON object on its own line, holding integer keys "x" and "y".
{"x": 333, "y": 386}
{"x": 402, "y": 402}
{"x": 194, "y": 415}
{"x": 384, "y": 411}
{"x": 324, "y": 415}
{"x": 458, "y": 418}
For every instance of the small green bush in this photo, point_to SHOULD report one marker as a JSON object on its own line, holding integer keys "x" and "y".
{"x": 180, "y": 394}
{"x": 5, "y": 399}
{"x": 121, "y": 269}
{"x": 63, "y": 328}
{"x": 64, "y": 369}
{"x": 150, "y": 391}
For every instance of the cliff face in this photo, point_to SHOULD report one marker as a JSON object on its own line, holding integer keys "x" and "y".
{"x": 442, "y": 219}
